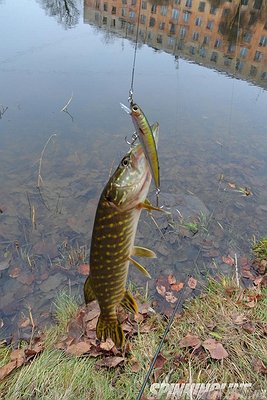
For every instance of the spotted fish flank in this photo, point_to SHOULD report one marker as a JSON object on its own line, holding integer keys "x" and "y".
{"x": 112, "y": 246}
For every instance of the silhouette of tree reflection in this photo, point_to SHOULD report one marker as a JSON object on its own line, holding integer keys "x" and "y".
{"x": 66, "y": 11}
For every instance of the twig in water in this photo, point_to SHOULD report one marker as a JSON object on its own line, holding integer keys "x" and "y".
{"x": 65, "y": 108}
{"x": 40, "y": 179}
{"x": 236, "y": 272}
{"x": 32, "y": 323}
{"x": 68, "y": 103}
{"x": 2, "y": 110}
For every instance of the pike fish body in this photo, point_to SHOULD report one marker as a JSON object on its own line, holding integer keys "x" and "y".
{"x": 112, "y": 244}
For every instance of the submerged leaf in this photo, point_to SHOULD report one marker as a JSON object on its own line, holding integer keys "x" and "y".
{"x": 192, "y": 282}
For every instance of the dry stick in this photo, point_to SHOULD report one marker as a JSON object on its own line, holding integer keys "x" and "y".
{"x": 65, "y": 108}
{"x": 32, "y": 323}
{"x": 39, "y": 179}
{"x": 236, "y": 272}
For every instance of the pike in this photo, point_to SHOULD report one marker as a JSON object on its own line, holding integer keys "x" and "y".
{"x": 112, "y": 245}
{"x": 146, "y": 137}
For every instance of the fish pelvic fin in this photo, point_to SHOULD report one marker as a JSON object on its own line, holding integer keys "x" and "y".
{"x": 129, "y": 303}
{"x": 107, "y": 328}
{"x": 88, "y": 291}
{"x": 140, "y": 267}
{"x": 143, "y": 252}
{"x": 146, "y": 205}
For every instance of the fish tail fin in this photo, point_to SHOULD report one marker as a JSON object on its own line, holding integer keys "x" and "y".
{"x": 107, "y": 328}
{"x": 129, "y": 303}
{"x": 88, "y": 291}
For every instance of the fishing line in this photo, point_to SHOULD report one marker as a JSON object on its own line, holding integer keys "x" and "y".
{"x": 130, "y": 98}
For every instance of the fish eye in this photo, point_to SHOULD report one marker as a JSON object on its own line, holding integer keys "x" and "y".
{"x": 135, "y": 108}
{"x": 125, "y": 162}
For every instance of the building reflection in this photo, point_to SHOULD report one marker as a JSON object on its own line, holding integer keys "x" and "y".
{"x": 230, "y": 36}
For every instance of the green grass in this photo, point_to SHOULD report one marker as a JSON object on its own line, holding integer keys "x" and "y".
{"x": 56, "y": 375}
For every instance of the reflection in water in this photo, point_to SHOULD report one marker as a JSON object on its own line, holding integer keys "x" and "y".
{"x": 66, "y": 11}
{"x": 228, "y": 36}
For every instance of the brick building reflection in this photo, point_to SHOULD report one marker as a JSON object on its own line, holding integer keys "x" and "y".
{"x": 230, "y": 36}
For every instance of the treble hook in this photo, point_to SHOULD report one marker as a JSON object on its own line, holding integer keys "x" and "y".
{"x": 134, "y": 137}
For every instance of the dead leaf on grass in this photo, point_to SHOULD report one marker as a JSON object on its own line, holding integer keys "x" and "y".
{"x": 216, "y": 349}
{"x": 239, "y": 319}
{"x": 249, "y": 327}
{"x": 78, "y": 349}
{"x": 107, "y": 345}
{"x": 258, "y": 366}
{"x": 190, "y": 341}
{"x": 7, "y": 369}
{"x": 109, "y": 362}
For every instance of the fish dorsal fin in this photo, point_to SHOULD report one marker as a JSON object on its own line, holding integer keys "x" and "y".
{"x": 143, "y": 252}
{"x": 140, "y": 267}
{"x": 129, "y": 303}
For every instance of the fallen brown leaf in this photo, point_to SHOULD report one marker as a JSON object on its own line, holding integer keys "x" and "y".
{"x": 7, "y": 369}
{"x": 192, "y": 282}
{"x": 216, "y": 349}
{"x": 14, "y": 272}
{"x": 190, "y": 341}
{"x": 239, "y": 319}
{"x": 110, "y": 362}
{"x": 249, "y": 327}
{"x": 228, "y": 260}
{"x": 258, "y": 366}
{"x": 161, "y": 290}
{"x": 78, "y": 349}
{"x": 171, "y": 279}
{"x": 177, "y": 286}
{"x": 160, "y": 361}
{"x": 170, "y": 298}
{"x": 135, "y": 367}
{"x": 83, "y": 269}
{"x": 107, "y": 345}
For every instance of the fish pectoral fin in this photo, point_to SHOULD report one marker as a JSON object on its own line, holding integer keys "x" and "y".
{"x": 88, "y": 291}
{"x": 129, "y": 303}
{"x": 146, "y": 205}
{"x": 140, "y": 267}
{"x": 107, "y": 328}
{"x": 143, "y": 252}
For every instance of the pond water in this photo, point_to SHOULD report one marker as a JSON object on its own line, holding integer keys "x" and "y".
{"x": 201, "y": 72}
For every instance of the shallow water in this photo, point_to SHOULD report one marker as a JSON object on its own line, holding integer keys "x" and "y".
{"x": 212, "y": 143}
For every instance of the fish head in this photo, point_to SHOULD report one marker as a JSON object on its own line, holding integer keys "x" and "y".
{"x": 130, "y": 182}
